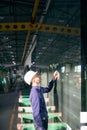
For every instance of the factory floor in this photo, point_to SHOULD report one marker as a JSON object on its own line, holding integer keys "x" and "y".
{"x": 9, "y": 109}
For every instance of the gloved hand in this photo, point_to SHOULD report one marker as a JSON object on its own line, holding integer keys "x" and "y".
{"x": 56, "y": 75}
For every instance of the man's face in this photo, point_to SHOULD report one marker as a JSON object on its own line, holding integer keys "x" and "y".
{"x": 36, "y": 79}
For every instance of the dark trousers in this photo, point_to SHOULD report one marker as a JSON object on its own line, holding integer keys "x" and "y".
{"x": 45, "y": 125}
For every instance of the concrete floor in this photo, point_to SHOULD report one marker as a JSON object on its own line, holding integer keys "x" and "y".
{"x": 8, "y": 110}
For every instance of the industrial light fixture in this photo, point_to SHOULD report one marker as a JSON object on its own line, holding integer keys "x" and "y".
{"x": 50, "y": 40}
{"x": 9, "y": 46}
{"x": 44, "y": 47}
{"x": 14, "y": 62}
{"x": 53, "y": 66}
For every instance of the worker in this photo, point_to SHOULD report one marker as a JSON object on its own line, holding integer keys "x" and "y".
{"x": 38, "y": 105}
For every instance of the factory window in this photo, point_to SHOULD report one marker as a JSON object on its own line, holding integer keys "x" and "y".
{"x": 63, "y": 69}
{"x": 78, "y": 68}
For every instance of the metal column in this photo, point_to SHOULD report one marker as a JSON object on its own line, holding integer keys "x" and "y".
{"x": 84, "y": 55}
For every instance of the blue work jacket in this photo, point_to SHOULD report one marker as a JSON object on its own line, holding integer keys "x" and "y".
{"x": 38, "y": 103}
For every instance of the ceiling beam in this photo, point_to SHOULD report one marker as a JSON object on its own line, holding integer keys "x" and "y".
{"x": 25, "y": 45}
{"x": 26, "y": 26}
{"x": 35, "y": 8}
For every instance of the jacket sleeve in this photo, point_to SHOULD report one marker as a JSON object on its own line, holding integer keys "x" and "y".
{"x": 49, "y": 88}
{"x": 35, "y": 103}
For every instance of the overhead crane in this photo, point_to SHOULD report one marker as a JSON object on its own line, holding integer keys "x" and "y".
{"x": 28, "y": 26}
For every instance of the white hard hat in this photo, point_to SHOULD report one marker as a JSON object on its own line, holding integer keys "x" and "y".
{"x": 28, "y": 76}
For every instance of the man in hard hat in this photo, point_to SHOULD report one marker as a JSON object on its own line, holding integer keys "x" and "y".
{"x": 40, "y": 113}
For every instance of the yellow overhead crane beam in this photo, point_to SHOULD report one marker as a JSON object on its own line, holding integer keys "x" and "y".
{"x": 26, "y": 26}
{"x": 35, "y": 8}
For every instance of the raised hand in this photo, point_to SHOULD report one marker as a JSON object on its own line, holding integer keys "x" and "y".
{"x": 56, "y": 75}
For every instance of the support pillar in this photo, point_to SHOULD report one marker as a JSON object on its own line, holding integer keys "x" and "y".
{"x": 83, "y": 114}
{"x": 84, "y": 55}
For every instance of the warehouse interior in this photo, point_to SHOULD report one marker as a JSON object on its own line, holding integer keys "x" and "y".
{"x": 45, "y": 35}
